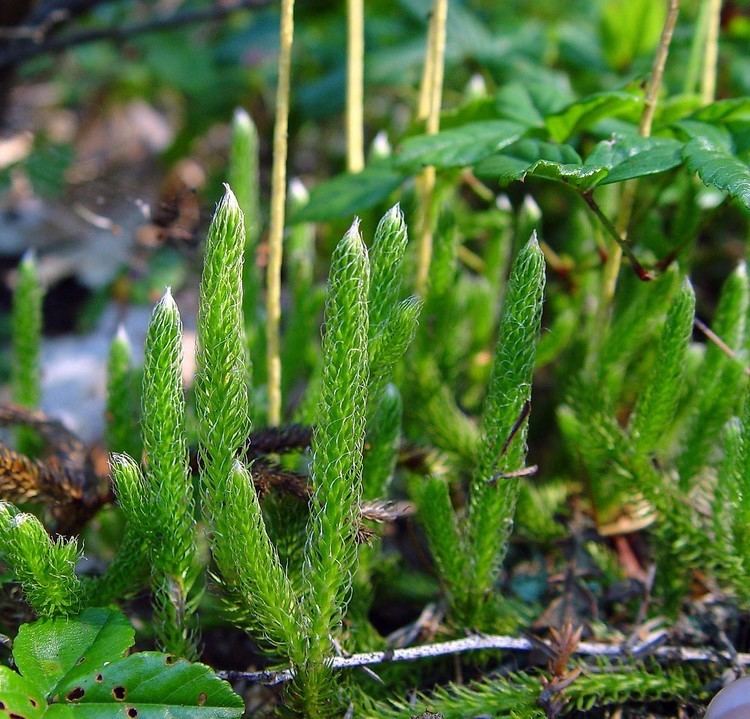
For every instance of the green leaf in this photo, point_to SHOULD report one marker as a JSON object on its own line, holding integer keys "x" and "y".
{"x": 724, "y": 110}
{"x": 584, "y": 113}
{"x": 630, "y": 29}
{"x": 718, "y": 168}
{"x": 348, "y": 194}
{"x": 147, "y": 685}
{"x": 529, "y": 103}
{"x": 542, "y": 159}
{"x": 639, "y": 156}
{"x": 716, "y": 135}
{"x": 18, "y": 696}
{"x": 459, "y": 146}
{"x": 50, "y": 652}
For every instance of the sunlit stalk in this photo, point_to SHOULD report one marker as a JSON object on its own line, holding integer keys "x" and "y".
{"x": 355, "y": 153}
{"x": 276, "y": 228}
{"x": 711, "y": 53}
{"x": 627, "y": 197}
{"x": 431, "y": 97}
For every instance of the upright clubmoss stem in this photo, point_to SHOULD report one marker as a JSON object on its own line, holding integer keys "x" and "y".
{"x": 431, "y": 96}
{"x": 276, "y": 228}
{"x": 355, "y": 152}
{"x": 26, "y": 332}
{"x": 711, "y": 53}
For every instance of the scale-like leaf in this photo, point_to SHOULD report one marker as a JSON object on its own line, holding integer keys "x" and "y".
{"x": 720, "y": 169}
{"x": 52, "y": 651}
{"x": 345, "y": 195}
{"x": 458, "y": 146}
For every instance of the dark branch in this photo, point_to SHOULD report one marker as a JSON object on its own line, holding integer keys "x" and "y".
{"x": 22, "y": 50}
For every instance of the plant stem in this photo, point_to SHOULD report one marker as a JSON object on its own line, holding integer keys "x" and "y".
{"x": 355, "y": 153}
{"x": 622, "y": 245}
{"x": 276, "y": 229}
{"x": 430, "y": 100}
{"x": 657, "y": 69}
{"x": 711, "y": 52}
{"x": 627, "y": 198}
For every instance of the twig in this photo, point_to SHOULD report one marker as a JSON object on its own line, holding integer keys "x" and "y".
{"x": 723, "y": 346}
{"x": 657, "y": 69}
{"x": 276, "y": 228}
{"x": 640, "y": 270}
{"x": 22, "y": 51}
{"x": 627, "y": 196}
{"x": 653, "y": 645}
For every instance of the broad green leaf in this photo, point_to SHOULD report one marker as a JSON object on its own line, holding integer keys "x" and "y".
{"x": 716, "y": 135}
{"x": 19, "y": 697}
{"x": 541, "y": 159}
{"x": 644, "y": 156}
{"x": 50, "y": 652}
{"x": 147, "y": 685}
{"x": 630, "y": 29}
{"x": 584, "y": 113}
{"x": 736, "y": 108}
{"x": 345, "y": 195}
{"x": 459, "y": 146}
{"x": 529, "y": 103}
{"x": 718, "y": 168}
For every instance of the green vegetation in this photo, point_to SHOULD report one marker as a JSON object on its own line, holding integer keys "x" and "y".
{"x": 485, "y": 401}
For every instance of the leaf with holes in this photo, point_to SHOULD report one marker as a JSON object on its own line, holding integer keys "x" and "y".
{"x": 19, "y": 697}
{"x": 147, "y": 685}
{"x": 79, "y": 666}
{"x": 51, "y": 651}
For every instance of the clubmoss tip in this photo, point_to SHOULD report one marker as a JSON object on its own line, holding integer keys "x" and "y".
{"x": 121, "y": 335}
{"x": 241, "y": 119}
{"x": 298, "y": 193}
{"x": 28, "y": 259}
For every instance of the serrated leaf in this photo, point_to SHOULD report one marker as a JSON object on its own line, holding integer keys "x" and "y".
{"x": 529, "y": 103}
{"x": 584, "y": 113}
{"x": 716, "y": 135}
{"x": 459, "y": 146}
{"x": 718, "y": 168}
{"x": 147, "y": 685}
{"x": 639, "y": 156}
{"x": 51, "y": 651}
{"x": 345, "y": 195}
{"x": 19, "y": 697}
{"x": 735, "y": 108}
{"x": 541, "y": 159}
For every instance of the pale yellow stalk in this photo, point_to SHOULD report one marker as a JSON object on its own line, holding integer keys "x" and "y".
{"x": 276, "y": 226}
{"x": 627, "y": 198}
{"x": 711, "y": 54}
{"x": 431, "y": 97}
{"x": 355, "y": 61}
